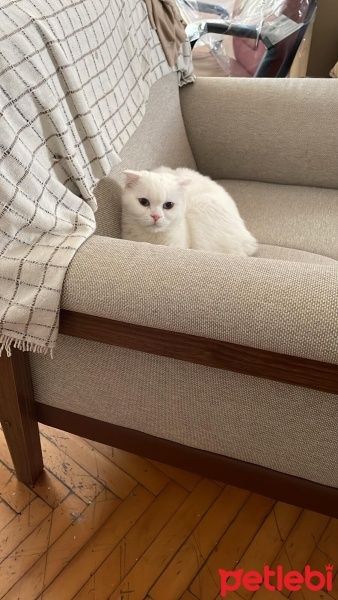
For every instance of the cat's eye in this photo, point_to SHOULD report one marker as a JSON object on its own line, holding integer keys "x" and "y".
{"x": 144, "y": 201}
{"x": 168, "y": 205}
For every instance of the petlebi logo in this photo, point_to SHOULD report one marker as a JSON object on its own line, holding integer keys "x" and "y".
{"x": 277, "y": 579}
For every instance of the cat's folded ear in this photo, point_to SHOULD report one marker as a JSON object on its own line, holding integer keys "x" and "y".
{"x": 132, "y": 178}
{"x": 185, "y": 182}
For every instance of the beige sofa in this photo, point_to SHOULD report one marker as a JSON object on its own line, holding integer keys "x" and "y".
{"x": 223, "y": 365}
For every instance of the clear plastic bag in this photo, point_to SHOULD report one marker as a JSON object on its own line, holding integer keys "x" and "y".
{"x": 246, "y": 38}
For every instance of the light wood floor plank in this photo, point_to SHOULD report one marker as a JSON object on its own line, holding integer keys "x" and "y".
{"x": 326, "y": 549}
{"x": 269, "y": 540}
{"x": 50, "y": 489}
{"x": 301, "y": 542}
{"x": 94, "y": 463}
{"x": 326, "y": 553}
{"x": 230, "y": 596}
{"x": 188, "y": 596}
{"x": 232, "y": 546}
{"x": 63, "y": 518}
{"x": 70, "y": 473}
{"x": 305, "y": 594}
{"x": 264, "y": 594}
{"x": 220, "y": 483}
{"x": 196, "y": 549}
{"x": 161, "y": 551}
{"x": 7, "y": 514}
{"x": 47, "y": 487}
{"x": 137, "y": 467}
{"x": 183, "y": 478}
{"x": 102, "y": 583}
{"x": 21, "y": 560}
{"x": 234, "y": 596}
{"x": 22, "y": 526}
{"x": 34, "y": 581}
{"x": 323, "y": 594}
{"x": 75, "y": 534}
{"x": 334, "y": 592}
{"x": 165, "y": 537}
{"x": 79, "y": 566}
{"x": 14, "y": 493}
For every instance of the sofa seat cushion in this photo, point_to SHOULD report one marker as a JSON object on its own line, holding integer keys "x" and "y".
{"x": 287, "y": 216}
{"x": 290, "y": 254}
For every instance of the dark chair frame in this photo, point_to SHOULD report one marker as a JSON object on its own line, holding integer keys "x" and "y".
{"x": 20, "y": 413}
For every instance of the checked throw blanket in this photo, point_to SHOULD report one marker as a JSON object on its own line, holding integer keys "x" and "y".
{"x": 75, "y": 76}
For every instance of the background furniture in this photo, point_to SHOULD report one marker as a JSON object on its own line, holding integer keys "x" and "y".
{"x": 324, "y": 45}
{"x": 247, "y": 51}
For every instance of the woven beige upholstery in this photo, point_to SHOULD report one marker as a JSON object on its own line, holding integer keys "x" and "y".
{"x": 267, "y": 142}
{"x": 300, "y": 217}
{"x": 278, "y": 131}
{"x": 281, "y": 306}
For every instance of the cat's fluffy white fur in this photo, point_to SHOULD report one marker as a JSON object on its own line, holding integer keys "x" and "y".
{"x": 184, "y": 209}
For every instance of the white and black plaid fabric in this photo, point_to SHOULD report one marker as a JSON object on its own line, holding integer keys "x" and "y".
{"x": 75, "y": 76}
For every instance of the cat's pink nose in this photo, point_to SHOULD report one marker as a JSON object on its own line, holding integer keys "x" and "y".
{"x": 156, "y": 217}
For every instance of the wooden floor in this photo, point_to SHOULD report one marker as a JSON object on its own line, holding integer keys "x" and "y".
{"x": 101, "y": 523}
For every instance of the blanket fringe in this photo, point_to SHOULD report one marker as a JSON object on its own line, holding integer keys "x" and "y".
{"x": 6, "y": 343}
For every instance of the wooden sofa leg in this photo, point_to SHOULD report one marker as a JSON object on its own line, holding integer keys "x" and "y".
{"x": 17, "y": 416}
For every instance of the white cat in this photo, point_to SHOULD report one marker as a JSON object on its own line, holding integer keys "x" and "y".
{"x": 185, "y": 209}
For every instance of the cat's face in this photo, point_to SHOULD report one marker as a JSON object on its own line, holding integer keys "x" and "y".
{"x": 154, "y": 200}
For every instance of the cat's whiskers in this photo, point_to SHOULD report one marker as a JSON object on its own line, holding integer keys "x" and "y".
{"x": 142, "y": 220}
{"x": 133, "y": 218}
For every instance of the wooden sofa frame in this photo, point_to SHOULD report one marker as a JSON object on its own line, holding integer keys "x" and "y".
{"x": 20, "y": 413}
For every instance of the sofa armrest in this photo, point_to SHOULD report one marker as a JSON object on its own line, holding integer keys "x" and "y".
{"x": 278, "y": 306}
{"x": 269, "y": 130}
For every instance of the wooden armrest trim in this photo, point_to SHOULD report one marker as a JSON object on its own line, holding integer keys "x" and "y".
{"x": 203, "y": 351}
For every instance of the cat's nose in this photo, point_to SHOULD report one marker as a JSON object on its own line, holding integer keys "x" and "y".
{"x": 156, "y": 217}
